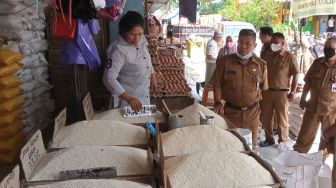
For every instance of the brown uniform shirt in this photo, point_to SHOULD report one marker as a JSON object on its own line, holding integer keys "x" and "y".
{"x": 264, "y": 48}
{"x": 241, "y": 84}
{"x": 280, "y": 67}
{"x": 321, "y": 76}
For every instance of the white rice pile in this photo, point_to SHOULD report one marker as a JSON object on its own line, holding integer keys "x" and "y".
{"x": 216, "y": 169}
{"x": 127, "y": 160}
{"x": 199, "y": 138}
{"x": 192, "y": 117}
{"x": 90, "y": 183}
{"x": 99, "y": 132}
{"x": 116, "y": 114}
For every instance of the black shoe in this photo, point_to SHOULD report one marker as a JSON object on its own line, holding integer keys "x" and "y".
{"x": 267, "y": 143}
{"x": 276, "y": 132}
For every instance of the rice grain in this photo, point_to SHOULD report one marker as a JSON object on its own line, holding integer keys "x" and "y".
{"x": 99, "y": 132}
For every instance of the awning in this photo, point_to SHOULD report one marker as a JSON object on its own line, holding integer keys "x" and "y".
{"x": 305, "y": 8}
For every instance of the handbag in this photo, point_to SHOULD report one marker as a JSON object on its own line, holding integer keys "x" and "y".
{"x": 63, "y": 26}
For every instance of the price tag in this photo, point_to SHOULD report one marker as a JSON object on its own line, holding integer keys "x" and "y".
{"x": 146, "y": 110}
{"x": 31, "y": 153}
{"x": 12, "y": 180}
{"x": 88, "y": 109}
{"x": 60, "y": 121}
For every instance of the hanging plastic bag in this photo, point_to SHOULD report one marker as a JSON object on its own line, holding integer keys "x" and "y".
{"x": 99, "y": 4}
{"x": 113, "y": 10}
{"x": 82, "y": 50}
{"x": 63, "y": 26}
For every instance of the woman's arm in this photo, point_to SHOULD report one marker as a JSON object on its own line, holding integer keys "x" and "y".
{"x": 112, "y": 84}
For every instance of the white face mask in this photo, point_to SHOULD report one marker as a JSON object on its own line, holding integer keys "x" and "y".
{"x": 275, "y": 47}
{"x": 245, "y": 57}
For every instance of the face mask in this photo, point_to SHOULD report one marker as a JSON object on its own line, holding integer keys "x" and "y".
{"x": 275, "y": 47}
{"x": 329, "y": 52}
{"x": 229, "y": 44}
{"x": 245, "y": 57}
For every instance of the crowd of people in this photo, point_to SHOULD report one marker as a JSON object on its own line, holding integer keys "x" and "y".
{"x": 256, "y": 88}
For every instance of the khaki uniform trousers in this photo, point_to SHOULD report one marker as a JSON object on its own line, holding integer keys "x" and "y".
{"x": 275, "y": 101}
{"x": 309, "y": 128}
{"x": 247, "y": 119}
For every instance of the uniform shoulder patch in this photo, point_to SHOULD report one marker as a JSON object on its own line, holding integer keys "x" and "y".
{"x": 258, "y": 60}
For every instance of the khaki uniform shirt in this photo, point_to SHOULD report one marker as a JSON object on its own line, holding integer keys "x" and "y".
{"x": 322, "y": 79}
{"x": 241, "y": 84}
{"x": 264, "y": 48}
{"x": 280, "y": 68}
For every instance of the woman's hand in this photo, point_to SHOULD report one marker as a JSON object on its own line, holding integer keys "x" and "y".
{"x": 135, "y": 104}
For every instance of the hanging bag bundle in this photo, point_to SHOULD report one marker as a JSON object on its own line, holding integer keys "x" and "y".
{"x": 63, "y": 25}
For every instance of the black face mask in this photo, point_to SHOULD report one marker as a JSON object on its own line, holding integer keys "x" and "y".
{"x": 329, "y": 52}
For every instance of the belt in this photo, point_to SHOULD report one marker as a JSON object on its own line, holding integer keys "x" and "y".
{"x": 272, "y": 89}
{"x": 250, "y": 106}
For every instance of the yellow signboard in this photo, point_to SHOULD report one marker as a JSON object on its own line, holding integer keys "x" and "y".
{"x": 305, "y": 8}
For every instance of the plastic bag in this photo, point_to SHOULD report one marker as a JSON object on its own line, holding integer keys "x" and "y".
{"x": 34, "y": 61}
{"x": 9, "y": 93}
{"x": 8, "y": 57}
{"x": 113, "y": 10}
{"x": 11, "y": 104}
{"x": 9, "y": 69}
{"x": 8, "y": 118}
{"x": 99, "y": 4}
{"x": 11, "y": 130}
{"x": 83, "y": 49}
{"x": 9, "y": 81}
{"x": 12, "y": 143}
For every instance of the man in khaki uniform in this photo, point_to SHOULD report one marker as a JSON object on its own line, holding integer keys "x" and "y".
{"x": 320, "y": 81}
{"x": 280, "y": 68}
{"x": 265, "y": 36}
{"x": 239, "y": 79}
{"x": 329, "y": 136}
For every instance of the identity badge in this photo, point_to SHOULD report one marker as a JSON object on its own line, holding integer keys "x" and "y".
{"x": 333, "y": 87}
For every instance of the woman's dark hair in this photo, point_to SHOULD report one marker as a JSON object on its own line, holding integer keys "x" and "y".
{"x": 130, "y": 20}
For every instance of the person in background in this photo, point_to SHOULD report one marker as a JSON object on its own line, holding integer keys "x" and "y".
{"x": 328, "y": 137}
{"x": 170, "y": 32}
{"x": 130, "y": 75}
{"x": 265, "y": 36}
{"x": 239, "y": 79}
{"x": 210, "y": 59}
{"x": 230, "y": 47}
{"x": 281, "y": 68}
{"x": 211, "y": 55}
{"x": 320, "y": 81}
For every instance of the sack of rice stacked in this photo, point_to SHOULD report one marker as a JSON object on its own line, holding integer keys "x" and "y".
{"x": 127, "y": 160}
{"x": 191, "y": 116}
{"x": 216, "y": 169}
{"x": 99, "y": 132}
{"x": 11, "y": 127}
{"x": 89, "y": 183}
{"x": 23, "y": 24}
{"x": 199, "y": 138}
